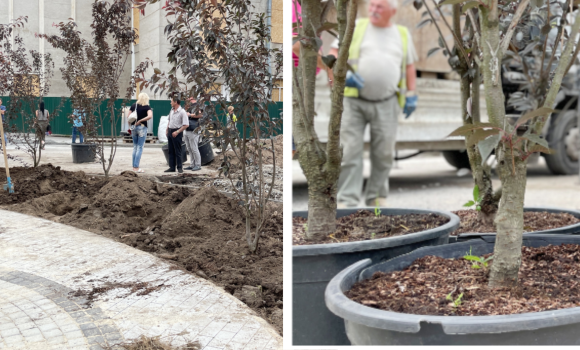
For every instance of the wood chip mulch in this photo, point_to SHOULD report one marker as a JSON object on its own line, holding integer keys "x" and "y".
{"x": 549, "y": 279}
{"x": 533, "y": 221}
{"x": 364, "y": 225}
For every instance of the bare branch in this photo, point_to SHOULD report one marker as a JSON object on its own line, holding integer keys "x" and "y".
{"x": 512, "y": 27}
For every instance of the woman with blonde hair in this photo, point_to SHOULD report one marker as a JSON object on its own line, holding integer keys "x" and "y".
{"x": 139, "y": 127}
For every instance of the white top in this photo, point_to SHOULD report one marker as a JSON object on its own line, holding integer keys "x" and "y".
{"x": 380, "y": 59}
{"x": 178, "y": 118}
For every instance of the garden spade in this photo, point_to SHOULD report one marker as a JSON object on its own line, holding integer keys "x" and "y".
{"x": 8, "y": 186}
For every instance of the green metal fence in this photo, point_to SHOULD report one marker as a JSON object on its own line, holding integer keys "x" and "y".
{"x": 60, "y": 123}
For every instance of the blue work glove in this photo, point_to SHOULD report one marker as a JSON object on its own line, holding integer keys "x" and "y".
{"x": 354, "y": 80}
{"x": 410, "y": 105}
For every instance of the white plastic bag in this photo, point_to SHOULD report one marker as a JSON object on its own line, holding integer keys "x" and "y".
{"x": 162, "y": 128}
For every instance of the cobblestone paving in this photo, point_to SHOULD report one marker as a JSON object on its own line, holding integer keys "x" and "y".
{"x": 43, "y": 265}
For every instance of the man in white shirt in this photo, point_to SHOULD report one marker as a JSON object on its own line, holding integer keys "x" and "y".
{"x": 387, "y": 72}
{"x": 178, "y": 122}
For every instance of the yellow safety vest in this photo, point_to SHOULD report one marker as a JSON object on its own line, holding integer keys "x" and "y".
{"x": 354, "y": 52}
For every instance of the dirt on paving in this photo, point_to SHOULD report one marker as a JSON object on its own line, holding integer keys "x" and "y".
{"x": 199, "y": 230}
{"x": 267, "y": 155}
{"x": 533, "y": 221}
{"x": 547, "y": 281}
{"x": 365, "y": 225}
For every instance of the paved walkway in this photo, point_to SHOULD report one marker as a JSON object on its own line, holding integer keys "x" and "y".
{"x": 64, "y": 288}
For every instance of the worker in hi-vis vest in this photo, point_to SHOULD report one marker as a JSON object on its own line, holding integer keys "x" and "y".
{"x": 382, "y": 56}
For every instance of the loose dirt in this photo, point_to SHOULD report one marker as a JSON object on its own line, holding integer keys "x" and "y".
{"x": 533, "y": 221}
{"x": 154, "y": 343}
{"x": 365, "y": 225}
{"x": 199, "y": 230}
{"x": 267, "y": 154}
{"x": 547, "y": 281}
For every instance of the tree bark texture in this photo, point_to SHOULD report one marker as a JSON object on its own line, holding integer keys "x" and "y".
{"x": 510, "y": 216}
{"x": 470, "y": 88}
{"x": 321, "y": 165}
{"x": 509, "y": 222}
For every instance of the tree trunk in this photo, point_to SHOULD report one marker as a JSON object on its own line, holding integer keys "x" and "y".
{"x": 321, "y": 195}
{"x": 509, "y": 222}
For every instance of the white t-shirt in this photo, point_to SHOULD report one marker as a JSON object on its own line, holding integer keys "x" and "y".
{"x": 380, "y": 59}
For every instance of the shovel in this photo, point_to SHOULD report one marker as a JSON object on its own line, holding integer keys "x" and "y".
{"x": 9, "y": 186}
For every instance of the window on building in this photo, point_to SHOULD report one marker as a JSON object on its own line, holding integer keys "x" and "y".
{"x": 88, "y": 84}
{"x": 278, "y": 91}
{"x": 26, "y": 84}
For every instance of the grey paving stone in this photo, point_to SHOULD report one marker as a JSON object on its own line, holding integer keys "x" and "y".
{"x": 97, "y": 340}
{"x": 91, "y": 332}
{"x": 85, "y": 319}
{"x": 87, "y": 326}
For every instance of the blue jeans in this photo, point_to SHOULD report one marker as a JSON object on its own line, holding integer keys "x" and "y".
{"x": 74, "y": 135}
{"x": 139, "y": 135}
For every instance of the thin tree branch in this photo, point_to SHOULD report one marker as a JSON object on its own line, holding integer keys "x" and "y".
{"x": 437, "y": 26}
{"x": 346, "y": 23}
{"x": 512, "y": 27}
{"x": 458, "y": 42}
{"x": 565, "y": 60}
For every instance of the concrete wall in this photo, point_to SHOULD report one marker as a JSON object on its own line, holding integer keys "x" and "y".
{"x": 42, "y": 14}
{"x": 152, "y": 43}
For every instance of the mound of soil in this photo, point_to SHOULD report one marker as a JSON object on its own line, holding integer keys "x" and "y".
{"x": 533, "y": 221}
{"x": 199, "y": 230}
{"x": 30, "y": 183}
{"x": 547, "y": 281}
{"x": 365, "y": 225}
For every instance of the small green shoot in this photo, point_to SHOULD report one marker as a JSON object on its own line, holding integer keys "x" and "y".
{"x": 373, "y": 235}
{"x": 377, "y": 210}
{"x": 477, "y": 260}
{"x": 476, "y": 199}
{"x": 305, "y": 227}
{"x": 456, "y": 302}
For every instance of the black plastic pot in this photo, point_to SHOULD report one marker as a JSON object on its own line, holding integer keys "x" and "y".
{"x": 206, "y": 153}
{"x": 313, "y": 266}
{"x": 165, "y": 150}
{"x": 368, "y": 326}
{"x": 570, "y": 229}
{"x": 83, "y": 152}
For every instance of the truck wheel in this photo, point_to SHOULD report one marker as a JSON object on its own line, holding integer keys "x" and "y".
{"x": 563, "y": 139}
{"x": 458, "y": 159}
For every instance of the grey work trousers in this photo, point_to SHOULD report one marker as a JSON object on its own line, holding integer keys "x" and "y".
{"x": 192, "y": 143}
{"x": 382, "y": 117}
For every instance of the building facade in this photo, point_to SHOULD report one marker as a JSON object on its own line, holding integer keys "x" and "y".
{"x": 152, "y": 43}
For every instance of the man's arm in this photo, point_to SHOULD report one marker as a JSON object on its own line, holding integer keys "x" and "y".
{"x": 411, "y": 77}
{"x": 183, "y": 127}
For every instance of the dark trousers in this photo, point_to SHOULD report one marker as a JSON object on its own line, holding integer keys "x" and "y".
{"x": 174, "y": 144}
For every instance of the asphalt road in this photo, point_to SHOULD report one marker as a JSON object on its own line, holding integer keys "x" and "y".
{"x": 428, "y": 182}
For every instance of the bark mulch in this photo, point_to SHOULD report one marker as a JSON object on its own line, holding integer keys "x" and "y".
{"x": 533, "y": 221}
{"x": 548, "y": 280}
{"x": 364, "y": 225}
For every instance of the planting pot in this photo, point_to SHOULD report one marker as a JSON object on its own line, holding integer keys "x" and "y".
{"x": 369, "y": 326}
{"x": 206, "y": 153}
{"x": 83, "y": 152}
{"x": 165, "y": 150}
{"x": 570, "y": 229}
{"x": 313, "y": 266}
